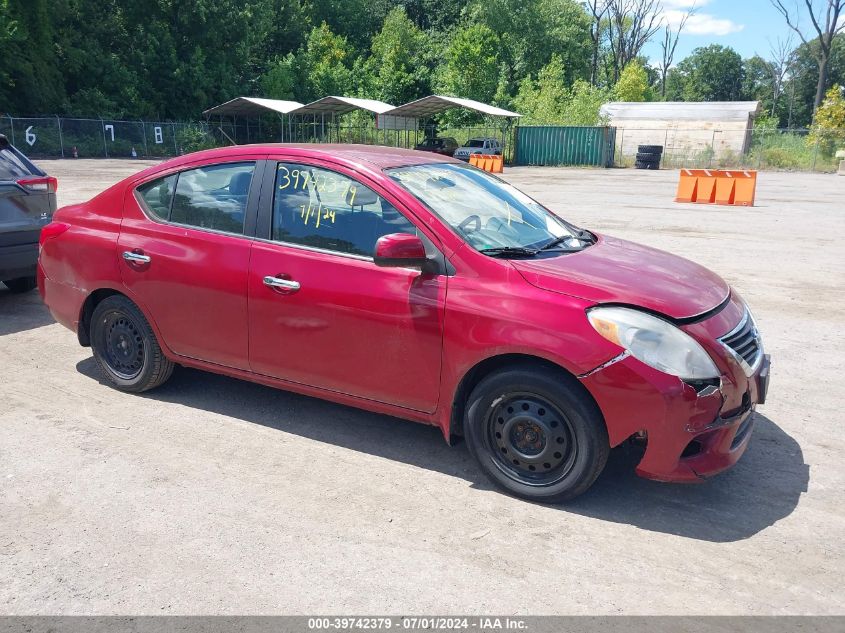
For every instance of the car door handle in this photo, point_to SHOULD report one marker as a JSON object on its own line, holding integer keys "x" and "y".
{"x": 284, "y": 284}
{"x": 138, "y": 258}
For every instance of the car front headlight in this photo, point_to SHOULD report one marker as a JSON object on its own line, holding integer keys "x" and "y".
{"x": 655, "y": 342}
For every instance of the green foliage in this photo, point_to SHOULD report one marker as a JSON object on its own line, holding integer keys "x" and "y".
{"x": 710, "y": 73}
{"x": 800, "y": 91}
{"x": 280, "y": 81}
{"x": 400, "y": 61}
{"x": 766, "y": 122}
{"x": 544, "y": 100}
{"x": 170, "y": 59}
{"x": 325, "y": 65}
{"x": 548, "y": 100}
{"x": 829, "y": 126}
{"x": 471, "y": 65}
{"x": 529, "y": 31}
{"x": 193, "y": 138}
{"x": 633, "y": 84}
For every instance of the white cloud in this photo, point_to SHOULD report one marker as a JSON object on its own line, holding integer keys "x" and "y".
{"x": 701, "y": 23}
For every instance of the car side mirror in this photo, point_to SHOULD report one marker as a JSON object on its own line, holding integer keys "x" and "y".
{"x": 400, "y": 250}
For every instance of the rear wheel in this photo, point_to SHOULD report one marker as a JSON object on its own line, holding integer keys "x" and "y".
{"x": 125, "y": 347}
{"x": 535, "y": 434}
{"x": 21, "y": 284}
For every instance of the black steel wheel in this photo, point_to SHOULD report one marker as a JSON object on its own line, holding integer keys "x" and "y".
{"x": 536, "y": 433}
{"x": 532, "y": 440}
{"x": 125, "y": 346}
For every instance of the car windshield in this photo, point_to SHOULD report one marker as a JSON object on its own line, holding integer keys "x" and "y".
{"x": 475, "y": 142}
{"x": 491, "y": 215}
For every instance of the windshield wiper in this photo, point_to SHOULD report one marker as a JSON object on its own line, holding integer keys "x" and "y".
{"x": 582, "y": 234}
{"x": 509, "y": 251}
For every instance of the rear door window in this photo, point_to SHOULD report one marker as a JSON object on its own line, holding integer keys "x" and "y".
{"x": 213, "y": 197}
{"x": 157, "y": 196}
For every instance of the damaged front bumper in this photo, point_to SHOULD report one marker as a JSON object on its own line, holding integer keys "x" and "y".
{"x": 691, "y": 434}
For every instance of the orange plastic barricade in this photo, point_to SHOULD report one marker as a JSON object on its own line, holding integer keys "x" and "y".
{"x": 717, "y": 186}
{"x": 473, "y": 160}
{"x": 745, "y": 188}
{"x": 498, "y": 164}
{"x": 488, "y": 163}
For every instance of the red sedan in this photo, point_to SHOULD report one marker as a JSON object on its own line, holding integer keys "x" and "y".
{"x": 416, "y": 286}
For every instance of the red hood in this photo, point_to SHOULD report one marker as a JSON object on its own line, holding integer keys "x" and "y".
{"x": 618, "y": 271}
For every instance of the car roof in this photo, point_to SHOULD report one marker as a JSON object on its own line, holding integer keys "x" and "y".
{"x": 377, "y": 156}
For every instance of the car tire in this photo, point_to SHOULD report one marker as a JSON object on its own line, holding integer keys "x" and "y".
{"x": 125, "y": 346}
{"x": 536, "y": 433}
{"x": 647, "y": 157}
{"x": 650, "y": 149}
{"x": 641, "y": 164}
{"x": 21, "y": 284}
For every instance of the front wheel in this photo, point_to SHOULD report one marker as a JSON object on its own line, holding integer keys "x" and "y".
{"x": 125, "y": 347}
{"x": 535, "y": 434}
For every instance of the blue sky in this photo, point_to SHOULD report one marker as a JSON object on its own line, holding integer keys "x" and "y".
{"x": 748, "y": 26}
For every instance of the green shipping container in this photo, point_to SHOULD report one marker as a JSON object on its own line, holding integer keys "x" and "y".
{"x": 562, "y": 145}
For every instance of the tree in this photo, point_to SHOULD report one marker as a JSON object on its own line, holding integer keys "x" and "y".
{"x": 281, "y": 80}
{"x": 829, "y": 126}
{"x": 548, "y": 100}
{"x": 669, "y": 44}
{"x": 355, "y": 20}
{"x": 633, "y": 84}
{"x": 544, "y": 101}
{"x": 631, "y": 24}
{"x": 779, "y": 64}
{"x": 434, "y": 15}
{"x": 399, "y": 63}
{"x": 710, "y": 73}
{"x": 598, "y": 9}
{"x": 825, "y": 31}
{"x": 33, "y": 83}
{"x": 530, "y": 31}
{"x": 324, "y": 65}
{"x": 471, "y": 66}
{"x": 800, "y": 86}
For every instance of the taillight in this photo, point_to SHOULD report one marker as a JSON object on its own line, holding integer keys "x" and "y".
{"x": 40, "y": 183}
{"x": 54, "y": 229}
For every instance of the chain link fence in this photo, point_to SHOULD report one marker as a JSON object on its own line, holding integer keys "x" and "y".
{"x": 63, "y": 137}
{"x": 745, "y": 148}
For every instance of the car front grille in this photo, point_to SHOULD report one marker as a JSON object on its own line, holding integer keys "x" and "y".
{"x": 744, "y": 341}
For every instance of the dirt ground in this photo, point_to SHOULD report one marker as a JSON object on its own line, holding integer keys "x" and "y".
{"x": 212, "y": 495}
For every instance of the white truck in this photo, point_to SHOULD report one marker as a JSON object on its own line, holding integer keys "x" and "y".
{"x": 480, "y": 145}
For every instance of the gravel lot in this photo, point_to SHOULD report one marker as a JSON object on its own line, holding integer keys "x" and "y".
{"x": 212, "y": 495}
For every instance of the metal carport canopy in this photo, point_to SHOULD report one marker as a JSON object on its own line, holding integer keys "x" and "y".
{"x": 252, "y": 106}
{"x": 342, "y": 105}
{"x": 434, "y": 104}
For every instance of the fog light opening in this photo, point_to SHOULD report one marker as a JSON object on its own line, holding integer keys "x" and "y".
{"x": 692, "y": 449}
